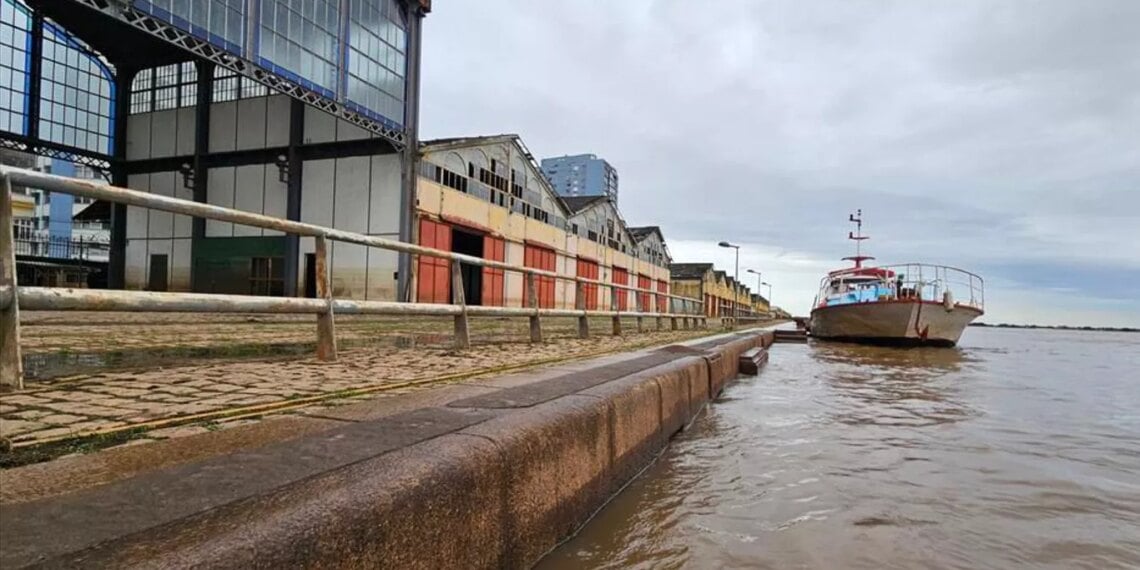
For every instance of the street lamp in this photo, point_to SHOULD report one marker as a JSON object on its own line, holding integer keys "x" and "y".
{"x": 736, "y": 277}
{"x": 758, "y": 290}
{"x": 758, "y": 282}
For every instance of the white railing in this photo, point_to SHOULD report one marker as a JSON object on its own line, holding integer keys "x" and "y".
{"x": 912, "y": 281}
{"x": 13, "y": 297}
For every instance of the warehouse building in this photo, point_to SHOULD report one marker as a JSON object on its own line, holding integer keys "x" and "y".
{"x": 719, "y": 291}
{"x": 487, "y": 197}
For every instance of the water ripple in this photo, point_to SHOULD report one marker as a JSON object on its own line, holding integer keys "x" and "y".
{"x": 1006, "y": 453}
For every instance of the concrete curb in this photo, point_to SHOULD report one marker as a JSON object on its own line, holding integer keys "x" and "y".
{"x": 499, "y": 493}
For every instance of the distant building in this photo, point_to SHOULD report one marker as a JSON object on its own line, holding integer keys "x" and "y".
{"x": 581, "y": 175}
{"x": 719, "y": 291}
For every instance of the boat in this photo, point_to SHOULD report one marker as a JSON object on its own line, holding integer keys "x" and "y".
{"x": 909, "y": 304}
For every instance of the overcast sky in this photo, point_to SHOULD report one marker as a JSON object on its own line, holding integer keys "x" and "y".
{"x": 1001, "y": 137}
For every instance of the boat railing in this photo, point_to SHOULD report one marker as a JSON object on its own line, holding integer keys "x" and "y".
{"x": 911, "y": 281}
{"x": 932, "y": 282}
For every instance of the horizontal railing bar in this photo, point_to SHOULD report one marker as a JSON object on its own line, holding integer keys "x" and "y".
{"x": 56, "y": 299}
{"x": 88, "y": 189}
{"x": 59, "y": 299}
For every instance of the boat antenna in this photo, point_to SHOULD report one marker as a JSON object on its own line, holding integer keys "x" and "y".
{"x": 858, "y": 237}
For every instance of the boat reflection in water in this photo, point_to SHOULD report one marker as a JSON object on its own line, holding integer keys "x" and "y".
{"x": 888, "y": 386}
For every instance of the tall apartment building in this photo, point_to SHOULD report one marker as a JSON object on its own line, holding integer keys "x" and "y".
{"x": 581, "y": 175}
{"x": 48, "y": 229}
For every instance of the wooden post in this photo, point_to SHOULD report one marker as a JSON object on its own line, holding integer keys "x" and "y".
{"x": 580, "y": 304}
{"x": 462, "y": 326}
{"x": 532, "y": 302}
{"x": 637, "y": 307}
{"x": 11, "y": 365}
{"x": 615, "y": 307}
{"x": 326, "y": 329}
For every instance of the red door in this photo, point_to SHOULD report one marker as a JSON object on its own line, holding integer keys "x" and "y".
{"x": 644, "y": 282}
{"x": 494, "y": 249}
{"x": 662, "y": 300}
{"x": 540, "y": 258}
{"x": 589, "y": 270}
{"x": 433, "y": 275}
{"x": 621, "y": 277}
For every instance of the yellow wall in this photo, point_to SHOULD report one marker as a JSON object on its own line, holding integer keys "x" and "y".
{"x": 23, "y": 206}
{"x": 441, "y": 202}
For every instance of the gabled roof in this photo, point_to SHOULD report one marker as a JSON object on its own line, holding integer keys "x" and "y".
{"x": 721, "y": 275}
{"x": 689, "y": 270}
{"x": 438, "y": 145}
{"x": 575, "y": 204}
{"x": 642, "y": 232}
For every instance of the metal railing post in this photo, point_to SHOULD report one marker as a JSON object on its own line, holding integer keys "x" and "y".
{"x": 458, "y": 297}
{"x": 11, "y": 365}
{"x": 532, "y": 302}
{"x": 580, "y": 304}
{"x": 326, "y": 329}
{"x": 616, "y": 308}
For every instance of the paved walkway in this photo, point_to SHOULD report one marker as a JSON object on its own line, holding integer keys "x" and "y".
{"x": 108, "y": 401}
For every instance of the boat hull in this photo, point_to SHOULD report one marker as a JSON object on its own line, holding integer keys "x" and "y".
{"x": 905, "y": 323}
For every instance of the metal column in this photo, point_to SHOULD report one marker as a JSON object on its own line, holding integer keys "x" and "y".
{"x": 117, "y": 256}
{"x": 410, "y": 156}
{"x": 293, "y": 195}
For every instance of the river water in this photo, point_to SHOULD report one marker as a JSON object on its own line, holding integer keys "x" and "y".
{"x": 1019, "y": 449}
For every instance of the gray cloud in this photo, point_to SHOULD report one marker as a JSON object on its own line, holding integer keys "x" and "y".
{"x": 993, "y": 135}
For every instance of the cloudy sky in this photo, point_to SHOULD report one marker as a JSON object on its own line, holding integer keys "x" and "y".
{"x": 1002, "y": 137}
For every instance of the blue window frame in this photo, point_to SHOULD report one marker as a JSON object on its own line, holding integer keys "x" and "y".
{"x": 77, "y": 93}
{"x": 15, "y": 49}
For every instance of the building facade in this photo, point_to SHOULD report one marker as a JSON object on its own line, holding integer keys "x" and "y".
{"x": 487, "y": 197}
{"x": 581, "y": 175}
{"x": 719, "y": 291}
{"x": 312, "y": 118}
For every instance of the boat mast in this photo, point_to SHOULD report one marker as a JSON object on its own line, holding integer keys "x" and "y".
{"x": 858, "y": 237}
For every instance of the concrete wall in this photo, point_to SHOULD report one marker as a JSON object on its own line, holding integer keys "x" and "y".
{"x": 359, "y": 193}
{"x": 499, "y": 489}
{"x": 152, "y": 232}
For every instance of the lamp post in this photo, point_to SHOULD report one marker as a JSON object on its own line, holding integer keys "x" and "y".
{"x": 769, "y": 297}
{"x": 736, "y": 277}
{"x": 758, "y": 281}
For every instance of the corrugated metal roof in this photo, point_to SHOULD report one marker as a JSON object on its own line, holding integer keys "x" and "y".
{"x": 688, "y": 270}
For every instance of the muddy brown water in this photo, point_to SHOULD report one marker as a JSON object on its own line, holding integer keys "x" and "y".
{"x": 1019, "y": 449}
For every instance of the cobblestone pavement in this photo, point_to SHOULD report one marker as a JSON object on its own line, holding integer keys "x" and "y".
{"x": 112, "y": 399}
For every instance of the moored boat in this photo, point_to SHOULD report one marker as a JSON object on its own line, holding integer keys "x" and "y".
{"x": 910, "y": 304}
